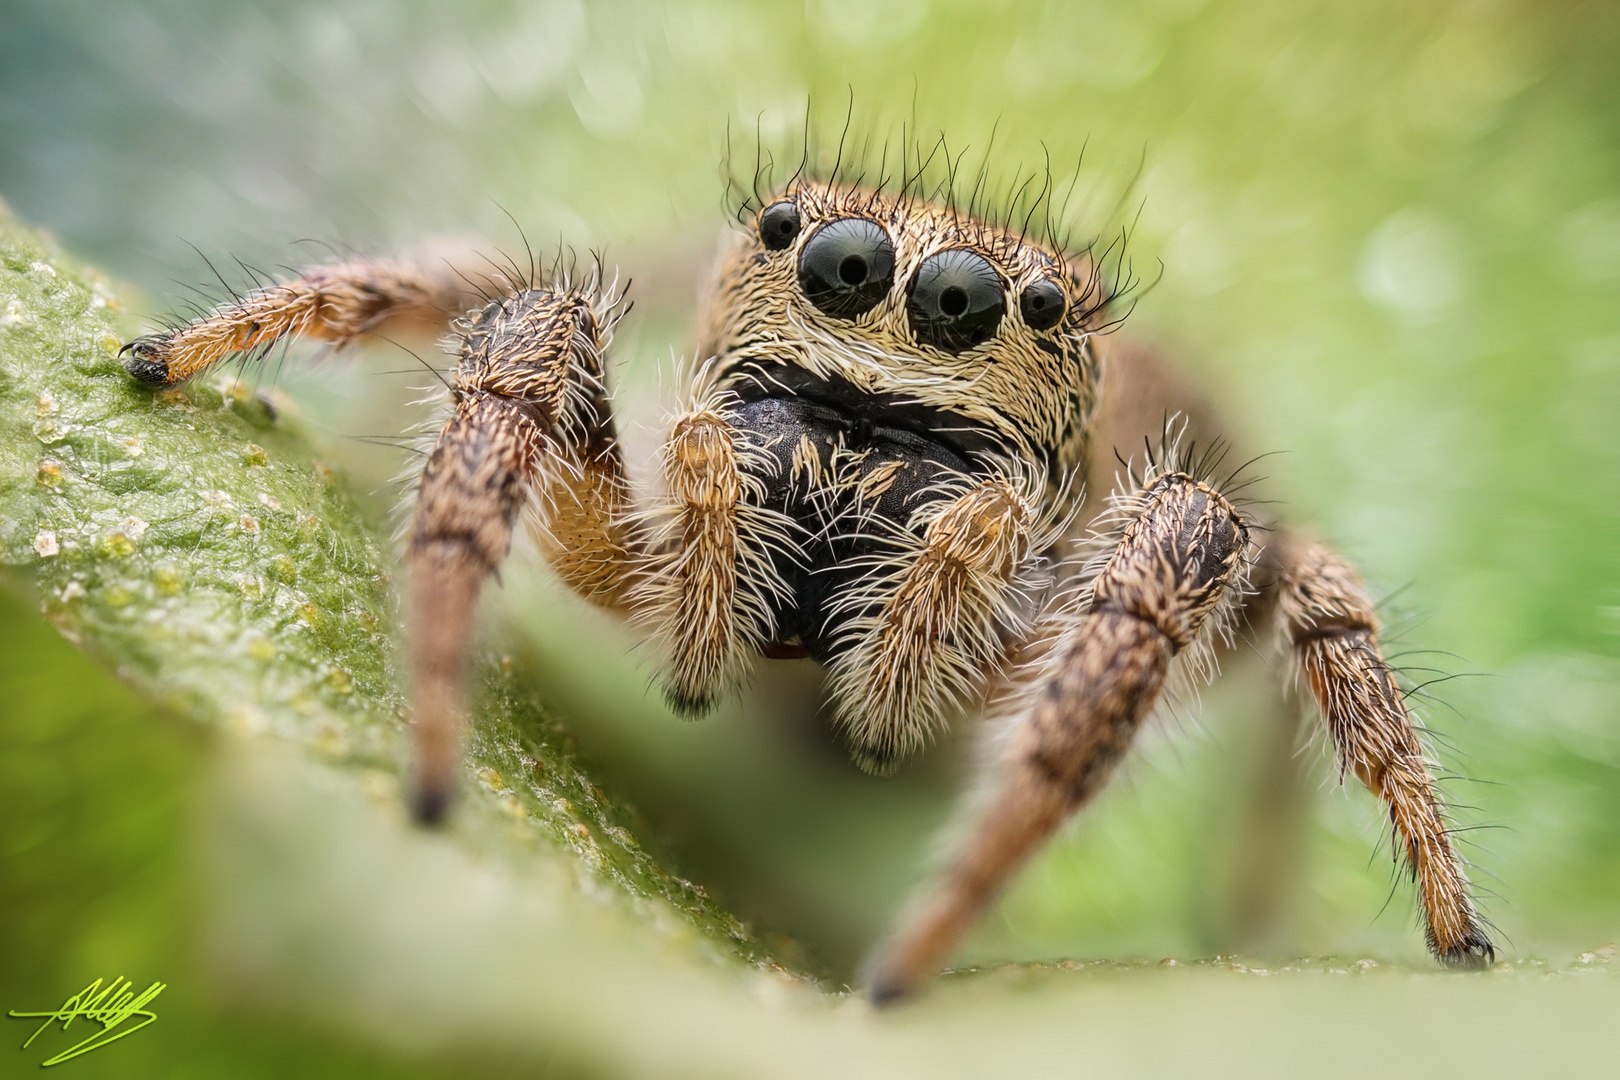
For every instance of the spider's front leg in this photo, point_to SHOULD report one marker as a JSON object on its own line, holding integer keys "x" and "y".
{"x": 1326, "y": 616}
{"x": 710, "y": 585}
{"x": 531, "y": 421}
{"x": 938, "y": 625}
{"x": 1075, "y": 708}
{"x": 340, "y": 304}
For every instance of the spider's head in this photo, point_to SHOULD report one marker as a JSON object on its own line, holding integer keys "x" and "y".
{"x": 879, "y": 355}
{"x": 851, "y": 293}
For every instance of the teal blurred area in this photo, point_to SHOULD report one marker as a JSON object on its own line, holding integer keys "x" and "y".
{"x": 1385, "y": 235}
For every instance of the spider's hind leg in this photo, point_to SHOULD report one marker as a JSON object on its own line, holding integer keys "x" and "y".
{"x": 1325, "y": 616}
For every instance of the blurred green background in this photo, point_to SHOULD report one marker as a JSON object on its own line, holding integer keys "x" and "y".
{"x": 1385, "y": 235}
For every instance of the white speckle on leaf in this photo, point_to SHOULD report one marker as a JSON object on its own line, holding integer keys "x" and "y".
{"x": 16, "y": 315}
{"x": 49, "y": 431}
{"x": 45, "y": 545}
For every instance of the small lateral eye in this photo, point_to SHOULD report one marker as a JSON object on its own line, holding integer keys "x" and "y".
{"x": 847, "y": 267}
{"x": 1042, "y": 304}
{"x": 779, "y": 224}
{"x": 956, "y": 300}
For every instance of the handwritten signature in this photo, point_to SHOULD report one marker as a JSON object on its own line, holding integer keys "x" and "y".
{"x": 110, "y": 1006}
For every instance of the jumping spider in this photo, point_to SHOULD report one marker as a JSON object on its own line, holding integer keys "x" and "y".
{"x": 880, "y": 463}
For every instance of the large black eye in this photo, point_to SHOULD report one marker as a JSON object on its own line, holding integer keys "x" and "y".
{"x": 1042, "y": 304}
{"x": 778, "y": 225}
{"x": 956, "y": 300}
{"x": 847, "y": 268}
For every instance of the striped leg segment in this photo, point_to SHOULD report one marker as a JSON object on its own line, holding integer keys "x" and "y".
{"x": 1325, "y": 614}
{"x": 710, "y": 586}
{"x": 530, "y": 420}
{"x": 338, "y": 304}
{"x": 1077, "y": 707}
{"x": 939, "y": 628}
{"x": 700, "y": 587}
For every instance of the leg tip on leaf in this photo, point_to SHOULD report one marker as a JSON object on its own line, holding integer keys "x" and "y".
{"x": 1473, "y": 953}
{"x": 143, "y": 363}
{"x": 430, "y": 806}
{"x": 883, "y": 994}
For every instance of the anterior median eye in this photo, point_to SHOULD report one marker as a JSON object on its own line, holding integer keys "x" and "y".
{"x": 847, "y": 267}
{"x": 778, "y": 225}
{"x": 956, "y": 300}
{"x": 1042, "y": 304}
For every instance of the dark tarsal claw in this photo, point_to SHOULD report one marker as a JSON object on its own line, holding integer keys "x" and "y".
{"x": 142, "y": 361}
{"x": 430, "y": 804}
{"x": 1475, "y": 953}
{"x": 882, "y": 995}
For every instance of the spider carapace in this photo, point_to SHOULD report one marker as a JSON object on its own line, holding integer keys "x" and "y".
{"x": 878, "y": 460}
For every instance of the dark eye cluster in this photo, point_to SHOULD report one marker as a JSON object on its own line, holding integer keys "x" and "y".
{"x": 847, "y": 267}
{"x": 1041, "y": 304}
{"x": 955, "y": 301}
{"x": 779, "y": 225}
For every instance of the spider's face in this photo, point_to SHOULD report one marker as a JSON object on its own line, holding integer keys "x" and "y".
{"x": 880, "y": 355}
{"x": 912, "y": 311}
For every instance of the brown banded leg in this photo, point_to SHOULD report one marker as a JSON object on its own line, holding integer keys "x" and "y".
{"x": 339, "y": 304}
{"x": 1326, "y": 616}
{"x": 709, "y": 584}
{"x": 1076, "y": 709}
{"x": 583, "y": 526}
{"x": 1147, "y": 390}
{"x": 936, "y": 630}
{"x": 530, "y": 419}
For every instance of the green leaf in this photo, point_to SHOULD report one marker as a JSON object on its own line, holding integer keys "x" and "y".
{"x": 189, "y": 539}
